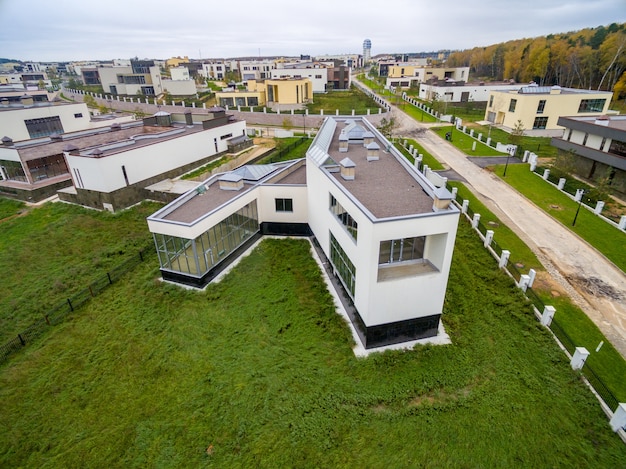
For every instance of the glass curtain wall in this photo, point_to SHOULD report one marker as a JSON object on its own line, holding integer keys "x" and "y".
{"x": 343, "y": 265}
{"x": 197, "y": 256}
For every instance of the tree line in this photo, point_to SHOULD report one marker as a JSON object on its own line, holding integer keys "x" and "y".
{"x": 592, "y": 58}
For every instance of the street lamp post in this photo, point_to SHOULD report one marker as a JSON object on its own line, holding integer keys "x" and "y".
{"x": 580, "y": 202}
{"x": 304, "y": 124}
{"x": 509, "y": 154}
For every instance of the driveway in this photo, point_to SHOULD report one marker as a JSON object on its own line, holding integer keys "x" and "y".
{"x": 573, "y": 267}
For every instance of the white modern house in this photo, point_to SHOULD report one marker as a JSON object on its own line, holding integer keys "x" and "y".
{"x": 316, "y": 72}
{"x": 387, "y": 232}
{"x": 112, "y": 168}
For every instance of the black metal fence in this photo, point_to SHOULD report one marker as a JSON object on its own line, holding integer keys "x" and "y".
{"x": 280, "y": 154}
{"x": 59, "y": 312}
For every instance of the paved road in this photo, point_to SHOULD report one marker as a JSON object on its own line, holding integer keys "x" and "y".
{"x": 573, "y": 266}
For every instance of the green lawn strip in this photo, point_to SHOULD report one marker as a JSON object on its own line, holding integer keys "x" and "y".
{"x": 465, "y": 143}
{"x": 604, "y": 237}
{"x": 344, "y": 101}
{"x": 298, "y": 151}
{"x": 57, "y": 250}
{"x": 428, "y": 159}
{"x": 539, "y": 145}
{"x": 502, "y": 234}
{"x": 10, "y": 208}
{"x": 258, "y": 370}
{"x": 607, "y": 363}
{"x": 416, "y": 113}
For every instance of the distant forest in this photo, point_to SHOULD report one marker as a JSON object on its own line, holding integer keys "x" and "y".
{"x": 592, "y": 58}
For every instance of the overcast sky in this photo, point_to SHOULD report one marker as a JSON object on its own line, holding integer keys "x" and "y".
{"x": 62, "y": 30}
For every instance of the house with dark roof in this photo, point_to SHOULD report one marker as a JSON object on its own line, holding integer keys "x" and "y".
{"x": 386, "y": 231}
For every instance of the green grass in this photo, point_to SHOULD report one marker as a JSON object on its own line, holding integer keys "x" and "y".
{"x": 259, "y": 369}
{"x": 428, "y": 159}
{"x": 502, "y": 234}
{"x": 539, "y": 145}
{"x": 58, "y": 249}
{"x": 605, "y": 238}
{"x": 283, "y": 153}
{"x": 206, "y": 168}
{"x": 345, "y": 101}
{"x": 10, "y": 208}
{"x": 464, "y": 142}
{"x": 416, "y": 113}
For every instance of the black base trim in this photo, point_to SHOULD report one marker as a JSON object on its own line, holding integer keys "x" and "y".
{"x": 395, "y": 332}
{"x": 286, "y": 229}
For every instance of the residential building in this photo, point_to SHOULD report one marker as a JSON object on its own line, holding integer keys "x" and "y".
{"x": 214, "y": 70}
{"x": 408, "y": 74}
{"x": 255, "y": 69}
{"x": 90, "y": 75}
{"x": 349, "y": 60}
{"x": 143, "y": 77}
{"x": 112, "y": 168}
{"x": 386, "y": 232}
{"x": 538, "y": 108}
{"x": 317, "y": 73}
{"x": 277, "y": 93}
{"x": 594, "y": 148}
{"x": 461, "y": 92}
{"x": 176, "y": 61}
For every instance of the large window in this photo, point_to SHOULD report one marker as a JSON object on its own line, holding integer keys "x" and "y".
{"x": 13, "y": 170}
{"x": 284, "y": 205}
{"x": 197, "y": 256}
{"x": 44, "y": 126}
{"x": 591, "y": 105}
{"x": 344, "y": 217}
{"x": 47, "y": 167}
{"x": 540, "y": 123}
{"x": 344, "y": 267}
{"x": 512, "y": 105}
{"x": 401, "y": 250}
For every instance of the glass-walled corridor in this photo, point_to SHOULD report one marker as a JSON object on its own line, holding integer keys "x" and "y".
{"x": 197, "y": 256}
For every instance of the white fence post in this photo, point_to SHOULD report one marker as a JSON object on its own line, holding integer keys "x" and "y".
{"x": 561, "y": 183}
{"x": 532, "y": 273}
{"x": 488, "y": 238}
{"x": 599, "y": 207}
{"x": 464, "y": 206}
{"x": 619, "y": 417}
{"x": 504, "y": 258}
{"x": 546, "y": 173}
{"x": 524, "y": 280}
{"x": 475, "y": 220}
{"x": 579, "y": 358}
{"x": 622, "y": 223}
{"x": 455, "y": 190}
{"x": 547, "y": 315}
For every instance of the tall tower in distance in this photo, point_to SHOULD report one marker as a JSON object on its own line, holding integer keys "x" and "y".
{"x": 367, "y": 51}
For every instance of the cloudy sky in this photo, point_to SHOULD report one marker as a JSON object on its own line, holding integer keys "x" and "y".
{"x": 60, "y": 30}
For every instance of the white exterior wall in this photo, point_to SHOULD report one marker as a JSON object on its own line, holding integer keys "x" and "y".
{"x": 319, "y": 84}
{"x": 179, "y": 87}
{"x": 13, "y": 126}
{"x": 105, "y": 174}
{"x": 476, "y": 93}
{"x": 267, "y": 206}
{"x": 391, "y": 300}
{"x": 179, "y": 73}
{"x": 108, "y": 77}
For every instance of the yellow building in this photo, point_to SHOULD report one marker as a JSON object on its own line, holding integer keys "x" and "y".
{"x": 176, "y": 61}
{"x": 276, "y": 93}
{"x": 538, "y": 108}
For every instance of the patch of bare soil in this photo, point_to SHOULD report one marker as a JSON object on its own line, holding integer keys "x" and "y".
{"x": 595, "y": 287}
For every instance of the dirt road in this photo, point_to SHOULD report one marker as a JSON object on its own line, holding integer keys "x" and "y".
{"x": 592, "y": 281}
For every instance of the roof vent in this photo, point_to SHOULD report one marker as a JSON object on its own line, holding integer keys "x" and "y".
{"x": 4, "y": 102}
{"x": 231, "y": 182}
{"x": 343, "y": 143}
{"x": 372, "y": 151}
{"x": 97, "y": 153}
{"x": 348, "y": 169}
{"x": 55, "y": 137}
{"x": 7, "y": 141}
{"x": 115, "y": 127}
{"x": 368, "y": 137}
{"x": 443, "y": 198}
{"x": 70, "y": 148}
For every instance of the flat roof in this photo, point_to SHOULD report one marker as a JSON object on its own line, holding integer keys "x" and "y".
{"x": 614, "y": 121}
{"x": 106, "y": 139}
{"x": 208, "y": 196}
{"x": 384, "y": 187}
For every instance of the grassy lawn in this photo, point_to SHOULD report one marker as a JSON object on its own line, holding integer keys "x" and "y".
{"x": 416, "y": 113}
{"x": 539, "y": 145}
{"x": 607, "y": 363}
{"x": 284, "y": 153}
{"x": 502, "y": 234}
{"x": 604, "y": 237}
{"x": 464, "y": 142}
{"x": 58, "y": 249}
{"x": 428, "y": 159}
{"x": 257, "y": 371}
{"x": 10, "y": 208}
{"x": 345, "y": 101}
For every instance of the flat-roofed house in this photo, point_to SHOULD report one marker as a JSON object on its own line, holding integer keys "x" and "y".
{"x": 388, "y": 233}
